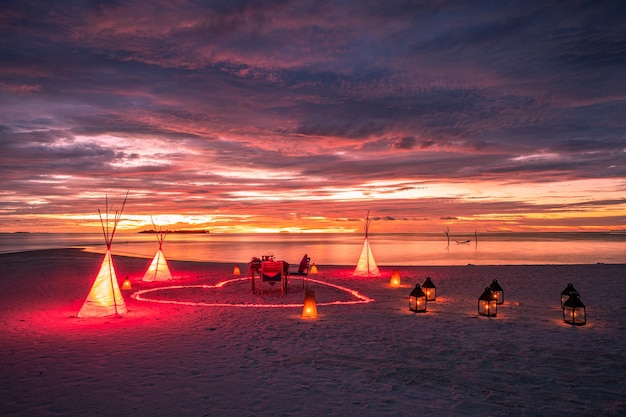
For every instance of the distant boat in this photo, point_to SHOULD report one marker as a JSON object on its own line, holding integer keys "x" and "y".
{"x": 463, "y": 242}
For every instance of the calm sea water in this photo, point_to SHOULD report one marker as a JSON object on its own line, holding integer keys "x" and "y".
{"x": 344, "y": 249}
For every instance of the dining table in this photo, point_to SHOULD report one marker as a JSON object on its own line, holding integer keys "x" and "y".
{"x": 254, "y": 269}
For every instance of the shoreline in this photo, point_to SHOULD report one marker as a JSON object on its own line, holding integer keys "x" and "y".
{"x": 94, "y": 251}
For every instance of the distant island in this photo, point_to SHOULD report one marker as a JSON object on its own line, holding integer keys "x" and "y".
{"x": 175, "y": 231}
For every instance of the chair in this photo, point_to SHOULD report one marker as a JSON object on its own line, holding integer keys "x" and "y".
{"x": 272, "y": 273}
{"x": 303, "y": 269}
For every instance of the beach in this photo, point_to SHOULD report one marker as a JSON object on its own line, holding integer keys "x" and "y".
{"x": 232, "y": 353}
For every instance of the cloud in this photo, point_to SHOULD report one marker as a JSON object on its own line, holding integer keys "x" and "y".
{"x": 209, "y": 102}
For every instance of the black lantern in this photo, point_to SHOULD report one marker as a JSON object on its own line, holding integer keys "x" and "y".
{"x": 430, "y": 289}
{"x": 574, "y": 310}
{"x": 487, "y": 304}
{"x": 566, "y": 293}
{"x": 417, "y": 300}
{"x": 497, "y": 291}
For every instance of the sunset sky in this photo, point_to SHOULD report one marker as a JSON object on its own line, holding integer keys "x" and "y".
{"x": 241, "y": 116}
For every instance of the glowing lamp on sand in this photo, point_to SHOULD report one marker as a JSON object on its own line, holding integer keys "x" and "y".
{"x": 497, "y": 291}
{"x": 566, "y": 293}
{"x": 126, "y": 285}
{"x": 313, "y": 269}
{"x": 417, "y": 300}
{"x": 236, "y": 270}
{"x": 487, "y": 304}
{"x": 574, "y": 310}
{"x": 430, "y": 289}
{"x": 309, "y": 310}
{"x": 395, "y": 279}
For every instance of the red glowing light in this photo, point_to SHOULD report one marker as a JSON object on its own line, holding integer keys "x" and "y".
{"x": 143, "y": 296}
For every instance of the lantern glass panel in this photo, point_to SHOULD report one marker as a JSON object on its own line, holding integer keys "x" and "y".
{"x": 574, "y": 311}
{"x": 417, "y": 300}
{"x": 498, "y": 292}
{"x": 575, "y": 316}
{"x": 430, "y": 289}
{"x": 487, "y": 308}
{"x": 487, "y": 304}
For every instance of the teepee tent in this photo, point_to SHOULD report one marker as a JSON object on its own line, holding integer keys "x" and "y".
{"x": 366, "y": 267}
{"x": 158, "y": 269}
{"x": 105, "y": 297}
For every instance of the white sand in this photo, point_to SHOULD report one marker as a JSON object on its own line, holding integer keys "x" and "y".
{"x": 365, "y": 359}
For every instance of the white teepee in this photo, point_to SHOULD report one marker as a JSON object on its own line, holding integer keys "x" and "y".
{"x": 158, "y": 269}
{"x": 105, "y": 297}
{"x": 366, "y": 267}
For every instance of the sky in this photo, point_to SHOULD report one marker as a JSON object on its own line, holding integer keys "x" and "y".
{"x": 302, "y": 116}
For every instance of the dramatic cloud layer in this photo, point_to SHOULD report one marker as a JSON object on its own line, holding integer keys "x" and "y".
{"x": 303, "y": 115}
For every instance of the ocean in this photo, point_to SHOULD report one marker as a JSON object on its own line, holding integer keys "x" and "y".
{"x": 412, "y": 249}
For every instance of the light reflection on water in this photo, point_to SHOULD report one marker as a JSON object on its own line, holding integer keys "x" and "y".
{"x": 344, "y": 249}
